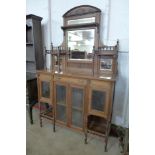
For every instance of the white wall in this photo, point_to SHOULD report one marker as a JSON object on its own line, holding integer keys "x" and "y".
{"x": 58, "y": 8}
{"x": 121, "y": 100}
{"x": 40, "y": 8}
{"x": 118, "y": 29}
{"x": 114, "y": 25}
{"x": 119, "y": 23}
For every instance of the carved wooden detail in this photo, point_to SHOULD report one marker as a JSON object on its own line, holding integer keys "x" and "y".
{"x": 81, "y": 10}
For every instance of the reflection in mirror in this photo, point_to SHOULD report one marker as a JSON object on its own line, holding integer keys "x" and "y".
{"x": 81, "y": 43}
{"x": 106, "y": 64}
{"x": 81, "y": 21}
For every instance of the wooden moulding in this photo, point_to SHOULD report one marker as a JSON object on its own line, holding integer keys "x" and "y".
{"x": 47, "y": 114}
{"x": 81, "y": 10}
{"x": 80, "y": 26}
{"x": 31, "y": 16}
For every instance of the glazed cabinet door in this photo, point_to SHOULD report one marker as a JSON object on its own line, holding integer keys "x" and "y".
{"x": 76, "y": 106}
{"x": 45, "y": 86}
{"x": 99, "y": 100}
{"x": 61, "y": 102}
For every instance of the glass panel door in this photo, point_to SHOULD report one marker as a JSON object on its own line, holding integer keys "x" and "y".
{"x": 77, "y": 99}
{"x": 61, "y": 103}
{"x": 45, "y": 89}
{"x": 77, "y": 118}
{"x": 98, "y": 100}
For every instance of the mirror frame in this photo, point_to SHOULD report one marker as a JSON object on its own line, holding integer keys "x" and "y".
{"x": 81, "y": 12}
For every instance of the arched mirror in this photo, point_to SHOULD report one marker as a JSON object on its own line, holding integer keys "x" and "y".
{"x": 81, "y": 31}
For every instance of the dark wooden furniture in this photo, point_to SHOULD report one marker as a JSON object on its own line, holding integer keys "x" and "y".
{"x": 81, "y": 90}
{"x": 34, "y": 58}
{"x": 32, "y": 95}
{"x": 34, "y": 49}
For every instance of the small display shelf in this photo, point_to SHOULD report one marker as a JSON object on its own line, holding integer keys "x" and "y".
{"x": 47, "y": 111}
{"x": 29, "y": 44}
{"x": 80, "y": 26}
{"x": 47, "y": 114}
{"x": 96, "y": 125}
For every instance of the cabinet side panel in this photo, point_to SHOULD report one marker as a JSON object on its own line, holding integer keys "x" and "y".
{"x": 37, "y": 35}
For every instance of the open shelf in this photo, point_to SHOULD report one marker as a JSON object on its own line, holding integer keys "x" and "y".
{"x": 29, "y": 44}
{"x": 80, "y": 25}
{"x": 30, "y": 61}
{"x": 96, "y": 125}
{"x": 47, "y": 114}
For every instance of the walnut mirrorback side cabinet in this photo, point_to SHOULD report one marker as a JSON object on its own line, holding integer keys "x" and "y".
{"x": 80, "y": 85}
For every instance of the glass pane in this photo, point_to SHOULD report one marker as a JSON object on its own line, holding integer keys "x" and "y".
{"x": 81, "y": 21}
{"x": 98, "y": 100}
{"x": 45, "y": 89}
{"x": 77, "y": 98}
{"x": 81, "y": 43}
{"x": 61, "y": 94}
{"x": 77, "y": 119}
{"x": 106, "y": 64}
{"x": 61, "y": 113}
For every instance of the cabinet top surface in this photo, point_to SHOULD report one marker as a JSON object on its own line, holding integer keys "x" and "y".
{"x": 111, "y": 78}
{"x": 32, "y": 16}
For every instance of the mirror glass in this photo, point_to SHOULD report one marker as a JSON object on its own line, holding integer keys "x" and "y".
{"x": 81, "y": 21}
{"x": 81, "y": 43}
{"x": 106, "y": 64}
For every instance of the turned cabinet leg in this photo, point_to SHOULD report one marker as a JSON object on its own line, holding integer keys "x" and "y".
{"x": 106, "y": 141}
{"x": 53, "y": 110}
{"x": 86, "y": 131}
{"x": 54, "y": 127}
{"x": 41, "y": 122}
{"x": 30, "y": 113}
{"x": 54, "y": 123}
{"x": 107, "y": 136}
{"x": 40, "y": 114}
{"x": 86, "y": 142}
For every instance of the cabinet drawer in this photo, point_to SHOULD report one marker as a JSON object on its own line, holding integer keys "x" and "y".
{"x": 70, "y": 80}
{"x": 45, "y": 77}
{"x": 99, "y": 84}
